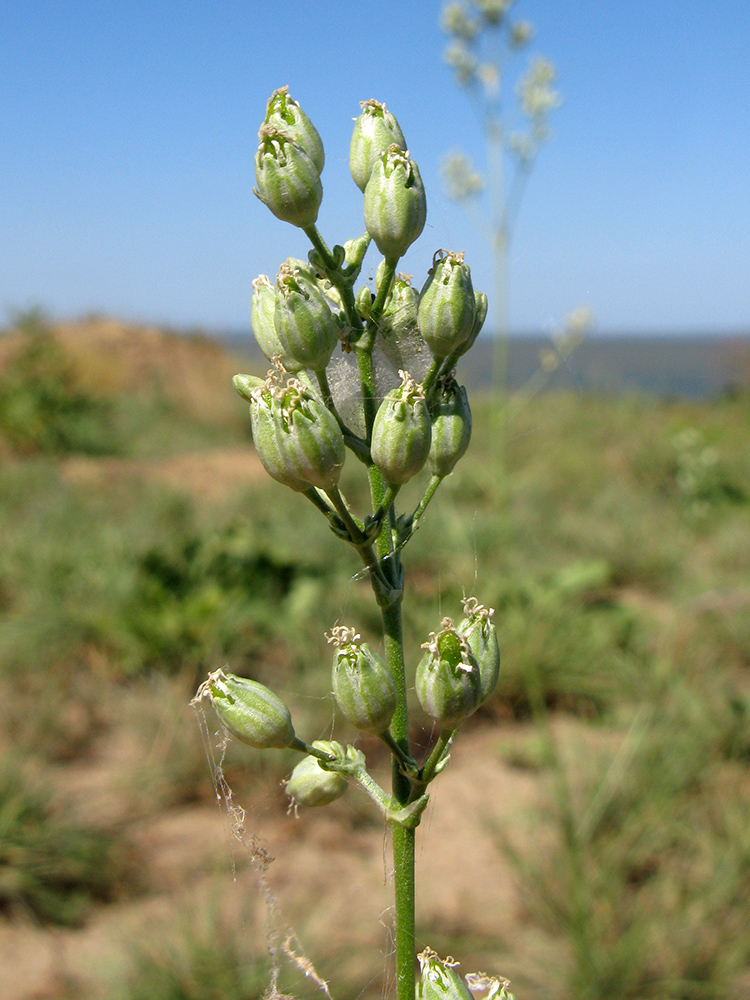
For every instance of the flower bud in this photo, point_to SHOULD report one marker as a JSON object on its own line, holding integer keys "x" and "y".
{"x": 480, "y": 301}
{"x": 447, "y": 307}
{"x": 401, "y": 432}
{"x": 311, "y": 785}
{"x": 288, "y": 180}
{"x": 355, "y": 250}
{"x": 479, "y": 632}
{"x": 451, "y": 428}
{"x": 447, "y": 679}
{"x": 249, "y": 711}
{"x": 306, "y": 329}
{"x": 285, "y": 115}
{"x": 363, "y": 685}
{"x": 395, "y": 203}
{"x": 438, "y": 979}
{"x": 298, "y": 440}
{"x": 374, "y": 131}
{"x": 363, "y": 301}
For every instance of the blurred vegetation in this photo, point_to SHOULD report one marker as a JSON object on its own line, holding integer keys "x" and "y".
{"x": 98, "y": 387}
{"x": 209, "y": 962}
{"x": 53, "y": 869}
{"x": 615, "y": 550}
{"x": 42, "y": 408}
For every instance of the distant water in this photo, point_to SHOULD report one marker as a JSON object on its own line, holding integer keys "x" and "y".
{"x": 667, "y": 366}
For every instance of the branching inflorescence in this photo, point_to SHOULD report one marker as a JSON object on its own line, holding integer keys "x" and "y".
{"x": 413, "y": 424}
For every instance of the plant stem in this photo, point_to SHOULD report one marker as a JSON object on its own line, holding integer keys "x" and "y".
{"x": 403, "y": 839}
{"x": 438, "y": 754}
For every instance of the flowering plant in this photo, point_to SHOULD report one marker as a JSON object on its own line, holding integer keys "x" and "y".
{"x": 410, "y": 415}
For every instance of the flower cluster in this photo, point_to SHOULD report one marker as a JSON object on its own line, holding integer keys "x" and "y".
{"x": 408, "y": 422}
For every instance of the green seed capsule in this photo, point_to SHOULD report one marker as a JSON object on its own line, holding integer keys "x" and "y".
{"x": 249, "y": 711}
{"x": 447, "y": 679}
{"x": 395, "y": 203}
{"x": 451, "y": 428}
{"x": 306, "y": 329}
{"x": 401, "y": 432}
{"x": 447, "y": 307}
{"x": 438, "y": 979}
{"x": 363, "y": 685}
{"x": 310, "y": 785}
{"x": 298, "y": 440}
{"x": 478, "y": 630}
{"x": 286, "y": 115}
{"x": 288, "y": 180}
{"x": 374, "y": 131}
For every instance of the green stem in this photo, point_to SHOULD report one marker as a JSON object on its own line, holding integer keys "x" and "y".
{"x": 382, "y": 586}
{"x": 403, "y": 839}
{"x": 367, "y": 381}
{"x": 315, "y": 497}
{"x": 376, "y": 311}
{"x": 432, "y": 373}
{"x": 413, "y": 523}
{"x": 335, "y": 276}
{"x": 408, "y": 765}
{"x": 438, "y": 754}
{"x": 429, "y": 493}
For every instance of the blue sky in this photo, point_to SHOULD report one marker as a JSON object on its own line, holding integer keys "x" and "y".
{"x": 127, "y": 133}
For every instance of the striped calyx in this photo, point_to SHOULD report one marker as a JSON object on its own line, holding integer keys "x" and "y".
{"x": 298, "y": 440}
{"x": 447, "y": 307}
{"x": 249, "y": 710}
{"x": 363, "y": 686}
{"x": 395, "y": 204}
{"x": 374, "y": 131}
{"x": 439, "y": 980}
{"x": 285, "y": 114}
{"x": 306, "y": 329}
{"x": 401, "y": 432}
{"x": 310, "y": 785}
{"x": 287, "y": 178}
{"x": 478, "y": 629}
{"x": 451, "y": 428}
{"x": 447, "y": 680}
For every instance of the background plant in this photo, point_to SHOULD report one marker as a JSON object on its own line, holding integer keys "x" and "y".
{"x": 485, "y": 39}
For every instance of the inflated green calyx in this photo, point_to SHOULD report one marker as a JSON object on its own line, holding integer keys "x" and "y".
{"x": 374, "y": 131}
{"x": 298, "y": 440}
{"x": 447, "y": 680}
{"x": 288, "y": 180}
{"x": 249, "y": 710}
{"x": 395, "y": 205}
{"x": 401, "y": 432}
{"x": 284, "y": 113}
{"x": 311, "y": 786}
{"x": 363, "y": 686}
